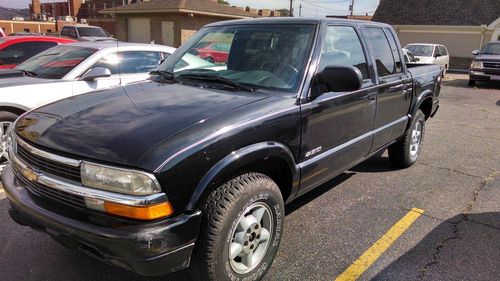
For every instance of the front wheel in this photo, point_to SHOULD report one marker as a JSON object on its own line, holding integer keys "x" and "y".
{"x": 6, "y": 121}
{"x": 242, "y": 223}
{"x": 472, "y": 82}
{"x": 406, "y": 151}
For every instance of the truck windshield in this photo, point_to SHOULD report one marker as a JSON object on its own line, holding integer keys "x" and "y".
{"x": 421, "y": 50}
{"x": 91, "y": 32}
{"x": 55, "y": 62}
{"x": 491, "y": 49}
{"x": 259, "y": 56}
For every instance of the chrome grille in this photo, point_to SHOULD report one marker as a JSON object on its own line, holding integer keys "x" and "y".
{"x": 50, "y": 193}
{"x": 48, "y": 166}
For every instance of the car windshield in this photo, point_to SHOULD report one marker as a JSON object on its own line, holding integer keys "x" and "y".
{"x": 491, "y": 49}
{"x": 55, "y": 62}
{"x": 91, "y": 32}
{"x": 271, "y": 57}
{"x": 421, "y": 50}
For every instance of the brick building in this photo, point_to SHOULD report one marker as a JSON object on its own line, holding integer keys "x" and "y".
{"x": 169, "y": 22}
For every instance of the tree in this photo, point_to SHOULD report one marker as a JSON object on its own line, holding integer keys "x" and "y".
{"x": 284, "y": 12}
{"x": 223, "y": 2}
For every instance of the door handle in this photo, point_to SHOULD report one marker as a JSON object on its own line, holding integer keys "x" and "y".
{"x": 397, "y": 87}
{"x": 370, "y": 97}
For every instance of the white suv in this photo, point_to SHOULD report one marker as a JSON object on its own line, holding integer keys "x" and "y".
{"x": 430, "y": 54}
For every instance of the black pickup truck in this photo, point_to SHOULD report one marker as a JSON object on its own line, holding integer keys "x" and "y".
{"x": 192, "y": 168}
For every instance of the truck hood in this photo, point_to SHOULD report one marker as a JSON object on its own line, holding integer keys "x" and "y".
{"x": 487, "y": 58}
{"x": 120, "y": 125}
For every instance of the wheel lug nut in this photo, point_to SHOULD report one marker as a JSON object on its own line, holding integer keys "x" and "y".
{"x": 249, "y": 231}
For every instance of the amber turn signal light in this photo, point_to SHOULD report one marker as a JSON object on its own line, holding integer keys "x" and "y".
{"x": 152, "y": 212}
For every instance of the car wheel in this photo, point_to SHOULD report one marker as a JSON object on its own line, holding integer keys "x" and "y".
{"x": 406, "y": 151}
{"x": 472, "y": 83}
{"x": 6, "y": 121}
{"x": 240, "y": 232}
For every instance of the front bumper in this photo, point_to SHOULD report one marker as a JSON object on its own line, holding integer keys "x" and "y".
{"x": 484, "y": 74}
{"x": 150, "y": 249}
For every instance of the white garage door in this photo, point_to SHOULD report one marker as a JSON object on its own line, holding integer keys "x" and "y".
{"x": 139, "y": 30}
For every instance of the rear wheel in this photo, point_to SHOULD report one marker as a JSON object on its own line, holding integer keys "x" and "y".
{"x": 472, "y": 82}
{"x": 6, "y": 121}
{"x": 241, "y": 228}
{"x": 406, "y": 151}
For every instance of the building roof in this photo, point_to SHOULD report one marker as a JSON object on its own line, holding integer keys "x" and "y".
{"x": 438, "y": 12}
{"x": 193, "y": 6}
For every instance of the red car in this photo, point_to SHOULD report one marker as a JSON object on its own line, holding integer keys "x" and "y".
{"x": 16, "y": 49}
{"x": 214, "y": 52}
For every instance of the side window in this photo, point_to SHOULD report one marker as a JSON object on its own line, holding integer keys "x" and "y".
{"x": 381, "y": 50}
{"x": 343, "y": 47}
{"x": 130, "y": 62}
{"x": 72, "y": 33}
{"x": 394, "y": 48}
{"x": 442, "y": 51}
{"x": 65, "y": 31}
{"x": 20, "y": 52}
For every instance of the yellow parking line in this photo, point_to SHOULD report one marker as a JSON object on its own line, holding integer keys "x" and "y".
{"x": 357, "y": 268}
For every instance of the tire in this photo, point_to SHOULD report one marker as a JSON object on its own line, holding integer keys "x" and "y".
{"x": 406, "y": 151}
{"x": 227, "y": 212}
{"x": 6, "y": 120}
{"x": 472, "y": 83}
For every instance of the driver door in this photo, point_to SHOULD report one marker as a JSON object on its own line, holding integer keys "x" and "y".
{"x": 336, "y": 125}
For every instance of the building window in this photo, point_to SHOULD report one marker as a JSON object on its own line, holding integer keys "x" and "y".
{"x": 27, "y": 30}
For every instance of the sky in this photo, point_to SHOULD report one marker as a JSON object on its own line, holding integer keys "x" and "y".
{"x": 310, "y": 8}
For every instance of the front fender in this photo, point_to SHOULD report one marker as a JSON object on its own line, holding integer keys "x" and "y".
{"x": 239, "y": 158}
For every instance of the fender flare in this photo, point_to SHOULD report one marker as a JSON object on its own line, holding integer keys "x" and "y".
{"x": 420, "y": 99}
{"x": 15, "y": 105}
{"x": 241, "y": 157}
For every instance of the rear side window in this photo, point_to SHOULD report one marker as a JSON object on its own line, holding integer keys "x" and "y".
{"x": 343, "y": 47}
{"x": 17, "y": 53}
{"x": 395, "y": 50}
{"x": 130, "y": 62}
{"x": 382, "y": 51}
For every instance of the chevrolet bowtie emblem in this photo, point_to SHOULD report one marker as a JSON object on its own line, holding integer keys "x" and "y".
{"x": 29, "y": 174}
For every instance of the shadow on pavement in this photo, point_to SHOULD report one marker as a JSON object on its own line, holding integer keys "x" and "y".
{"x": 465, "y": 247}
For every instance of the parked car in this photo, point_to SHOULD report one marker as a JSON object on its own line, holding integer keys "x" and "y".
{"x": 214, "y": 52}
{"x": 16, "y": 49}
{"x": 431, "y": 54}
{"x": 193, "y": 167}
{"x": 72, "y": 69}
{"x": 409, "y": 57}
{"x": 86, "y": 33}
{"x": 486, "y": 64}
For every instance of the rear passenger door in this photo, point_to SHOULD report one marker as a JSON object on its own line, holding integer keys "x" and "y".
{"x": 394, "y": 86}
{"x": 336, "y": 125}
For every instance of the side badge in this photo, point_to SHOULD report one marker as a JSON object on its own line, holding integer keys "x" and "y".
{"x": 314, "y": 151}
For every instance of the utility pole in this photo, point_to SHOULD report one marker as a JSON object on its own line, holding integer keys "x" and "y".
{"x": 351, "y": 8}
{"x": 69, "y": 10}
{"x": 300, "y": 10}
{"x": 291, "y": 8}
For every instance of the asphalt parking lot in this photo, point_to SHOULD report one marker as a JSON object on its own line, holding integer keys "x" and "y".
{"x": 454, "y": 235}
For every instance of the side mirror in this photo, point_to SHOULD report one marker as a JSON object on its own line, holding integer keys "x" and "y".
{"x": 338, "y": 79}
{"x": 96, "y": 72}
{"x": 417, "y": 59}
{"x": 438, "y": 55}
{"x": 475, "y": 52}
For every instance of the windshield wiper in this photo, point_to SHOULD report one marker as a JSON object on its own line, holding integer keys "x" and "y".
{"x": 29, "y": 73}
{"x": 167, "y": 75}
{"x": 219, "y": 79}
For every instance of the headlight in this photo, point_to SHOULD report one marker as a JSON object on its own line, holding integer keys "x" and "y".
{"x": 477, "y": 64}
{"x": 118, "y": 180}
